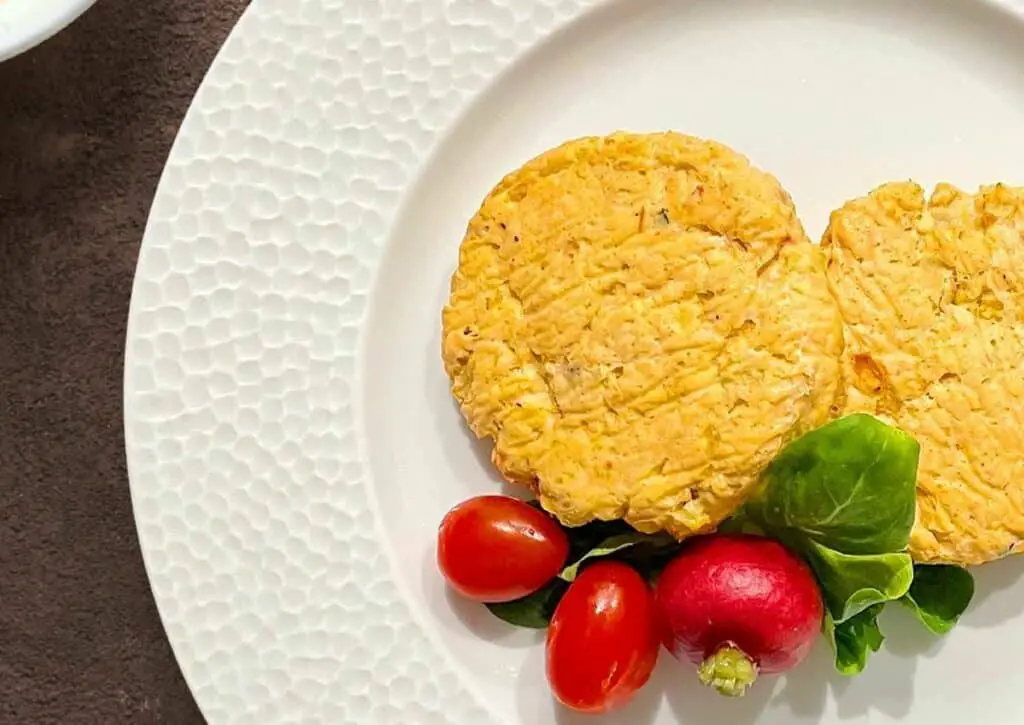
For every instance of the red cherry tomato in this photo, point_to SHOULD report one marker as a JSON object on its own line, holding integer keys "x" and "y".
{"x": 603, "y": 639}
{"x": 498, "y": 548}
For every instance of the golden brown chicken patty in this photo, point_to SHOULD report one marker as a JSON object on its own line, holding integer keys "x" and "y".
{"x": 932, "y": 296}
{"x": 640, "y": 323}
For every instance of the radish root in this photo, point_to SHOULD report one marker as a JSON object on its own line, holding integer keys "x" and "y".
{"x": 729, "y": 670}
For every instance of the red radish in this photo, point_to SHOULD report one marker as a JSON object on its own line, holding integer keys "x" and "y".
{"x": 736, "y": 605}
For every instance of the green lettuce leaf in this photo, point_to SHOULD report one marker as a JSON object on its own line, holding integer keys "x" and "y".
{"x": 854, "y": 640}
{"x": 641, "y": 547}
{"x": 534, "y": 610}
{"x": 851, "y": 584}
{"x": 849, "y": 485}
{"x": 938, "y": 595}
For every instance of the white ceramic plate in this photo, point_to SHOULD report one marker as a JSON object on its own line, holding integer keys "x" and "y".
{"x": 291, "y": 441}
{"x": 26, "y": 23}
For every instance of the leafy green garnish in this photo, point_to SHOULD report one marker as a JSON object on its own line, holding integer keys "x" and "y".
{"x": 582, "y": 539}
{"x": 844, "y": 497}
{"x": 854, "y": 640}
{"x": 647, "y": 553}
{"x": 849, "y": 485}
{"x": 851, "y": 584}
{"x": 641, "y": 547}
{"x": 534, "y": 610}
{"x": 938, "y": 595}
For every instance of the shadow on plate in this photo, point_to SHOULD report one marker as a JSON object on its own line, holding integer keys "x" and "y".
{"x": 466, "y": 449}
{"x": 998, "y": 593}
{"x": 806, "y": 691}
{"x": 482, "y": 448}
{"x": 905, "y": 636}
{"x": 534, "y": 700}
{"x": 692, "y": 703}
{"x": 673, "y": 684}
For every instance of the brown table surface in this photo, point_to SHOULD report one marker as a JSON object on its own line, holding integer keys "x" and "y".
{"x": 86, "y": 122}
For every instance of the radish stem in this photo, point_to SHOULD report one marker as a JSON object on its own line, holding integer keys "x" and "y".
{"x": 729, "y": 671}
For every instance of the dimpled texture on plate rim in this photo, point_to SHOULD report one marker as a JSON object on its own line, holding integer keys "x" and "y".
{"x": 241, "y": 367}
{"x": 248, "y": 473}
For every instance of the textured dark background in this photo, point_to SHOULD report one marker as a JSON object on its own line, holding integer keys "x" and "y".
{"x": 86, "y": 122}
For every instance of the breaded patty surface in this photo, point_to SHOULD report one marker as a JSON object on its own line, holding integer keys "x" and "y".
{"x": 639, "y": 324}
{"x": 932, "y": 296}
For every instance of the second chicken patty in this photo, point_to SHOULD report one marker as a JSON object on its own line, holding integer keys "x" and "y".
{"x": 932, "y": 297}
